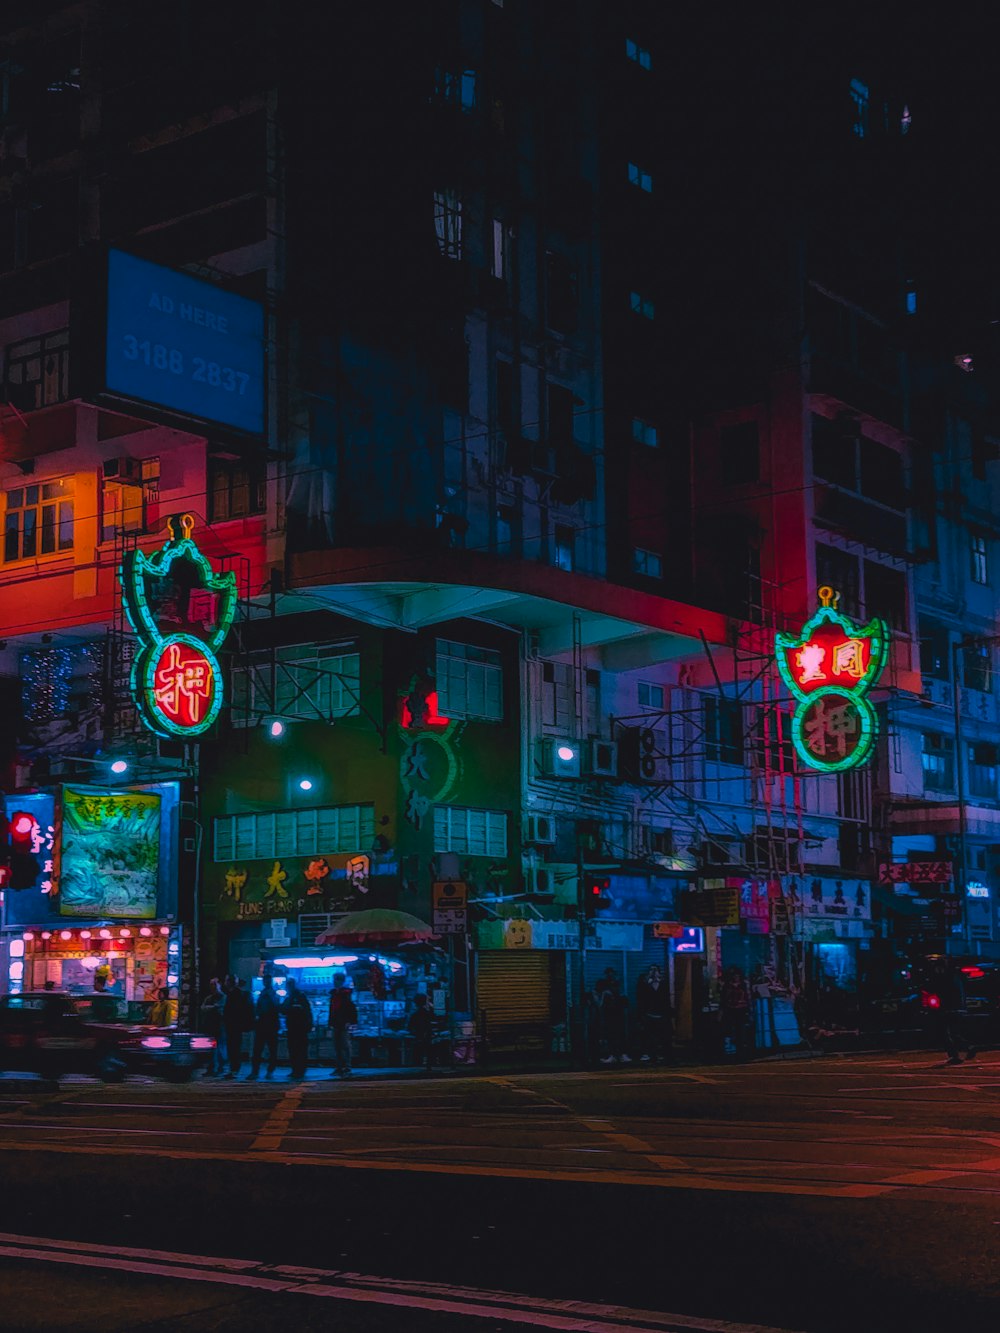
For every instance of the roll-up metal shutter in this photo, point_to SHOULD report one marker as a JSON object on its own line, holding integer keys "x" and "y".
{"x": 512, "y": 988}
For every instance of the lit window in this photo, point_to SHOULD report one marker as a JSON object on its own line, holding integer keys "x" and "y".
{"x": 650, "y": 695}
{"x": 937, "y": 762}
{"x": 859, "y": 107}
{"x": 448, "y": 223}
{"x": 905, "y": 121}
{"x": 470, "y": 832}
{"x": 638, "y": 54}
{"x": 469, "y": 681}
{"x": 641, "y": 305}
{"x": 637, "y": 176}
{"x": 456, "y": 88}
{"x": 307, "y": 832}
{"x": 36, "y": 371}
{"x": 503, "y": 237}
{"x": 38, "y": 520}
{"x": 979, "y": 559}
{"x": 644, "y": 432}
{"x": 563, "y": 548}
{"x": 646, "y": 563}
{"x": 911, "y": 302}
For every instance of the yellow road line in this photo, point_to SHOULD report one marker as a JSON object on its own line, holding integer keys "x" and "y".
{"x": 277, "y": 1123}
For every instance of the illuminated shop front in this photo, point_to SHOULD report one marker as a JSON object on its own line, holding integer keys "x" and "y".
{"x": 129, "y": 963}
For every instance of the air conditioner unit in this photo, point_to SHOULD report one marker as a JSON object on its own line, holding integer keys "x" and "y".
{"x": 538, "y": 878}
{"x": 560, "y": 757}
{"x": 602, "y": 759}
{"x": 645, "y": 754}
{"x": 126, "y": 471}
{"x": 540, "y": 830}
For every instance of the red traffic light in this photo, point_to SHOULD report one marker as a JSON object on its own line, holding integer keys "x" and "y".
{"x": 23, "y": 831}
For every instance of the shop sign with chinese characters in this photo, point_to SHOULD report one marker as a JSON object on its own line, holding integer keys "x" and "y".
{"x": 830, "y": 668}
{"x": 181, "y": 611}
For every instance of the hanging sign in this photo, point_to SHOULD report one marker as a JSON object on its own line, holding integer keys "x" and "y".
{"x": 829, "y": 668}
{"x": 181, "y": 611}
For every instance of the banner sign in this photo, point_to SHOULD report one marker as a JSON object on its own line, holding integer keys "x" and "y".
{"x": 916, "y": 872}
{"x": 715, "y": 903}
{"x": 844, "y": 898}
{"x": 110, "y": 864}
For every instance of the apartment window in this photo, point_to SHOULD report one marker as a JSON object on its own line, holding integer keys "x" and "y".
{"x": 562, "y": 294}
{"x": 309, "y": 682}
{"x": 470, "y": 832}
{"x": 977, "y": 552}
{"x": 235, "y": 490}
{"x": 938, "y": 762}
{"x": 38, "y": 520}
{"x": 503, "y": 239}
{"x": 455, "y": 88}
{"x": 318, "y": 831}
{"x": 563, "y": 548}
{"x": 559, "y": 697}
{"x": 839, "y": 570}
{"x": 911, "y": 302}
{"x": 448, "y": 223}
{"x": 739, "y": 453}
{"x": 641, "y": 305}
{"x": 835, "y": 452}
{"x": 650, "y": 695}
{"x": 885, "y": 594}
{"x": 723, "y": 721}
{"x": 122, "y": 509}
{"x": 646, "y": 563}
{"x": 977, "y": 666}
{"x": 882, "y": 474}
{"x": 643, "y": 179}
{"x": 36, "y": 371}
{"x": 638, "y": 54}
{"x": 935, "y": 652}
{"x": 644, "y": 432}
{"x": 983, "y": 770}
{"x": 859, "y": 108}
{"x": 469, "y": 681}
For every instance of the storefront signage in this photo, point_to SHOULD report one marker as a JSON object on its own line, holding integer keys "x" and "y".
{"x": 845, "y": 898}
{"x": 692, "y": 940}
{"x": 32, "y": 879}
{"x": 181, "y": 611}
{"x": 518, "y": 933}
{"x": 184, "y": 344}
{"x": 916, "y": 872}
{"x": 716, "y": 903}
{"x": 667, "y": 930}
{"x": 830, "y": 668}
{"x": 110, "y": 863}
{"x": 450, "y": 903}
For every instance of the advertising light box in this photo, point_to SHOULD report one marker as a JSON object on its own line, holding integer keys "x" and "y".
{"x": 179, "y": 343}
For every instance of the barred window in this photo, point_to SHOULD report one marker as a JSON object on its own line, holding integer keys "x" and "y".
{"x": 469, "y": 832}
{"x": 312, "y": 832}
{"x": 469, "y": 681}
{"x": 309, "y": 682}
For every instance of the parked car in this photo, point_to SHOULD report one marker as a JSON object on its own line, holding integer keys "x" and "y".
{"x": 911, "y": 1004}
{"x": 52, "y": 1034}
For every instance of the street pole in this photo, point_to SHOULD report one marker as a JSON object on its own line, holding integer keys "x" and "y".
{"x": 956, "y": 698}
{"x": 581, "y": 918}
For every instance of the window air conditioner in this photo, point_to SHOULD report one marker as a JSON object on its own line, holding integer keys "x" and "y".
{"x": 602, "y": 759}
{"x": 541, "y": 830}
{"x": 560, "y": 757}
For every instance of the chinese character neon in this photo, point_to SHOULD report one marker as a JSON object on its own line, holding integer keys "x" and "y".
{"x": 183, "y": 685}
{"x": 849, "y": 658}
{"x": 810, "y": 660}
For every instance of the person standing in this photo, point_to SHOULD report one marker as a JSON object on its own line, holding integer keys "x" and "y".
{"x": 265, "y": 1037}
{"x": 298, "y": 1025}
{"x": 161, "y": 1012}
{"x": 237, "y": 1019}
{"x": 951, "y": 983}
{"x": 610, "y": 1005}
{"x": 421, "y": 1029}
{"x": 734, "y": 1002}
{"x": 342, "y": 1017}
{"x": 210, "y": 1022}
{"x": 652, "y": 1012}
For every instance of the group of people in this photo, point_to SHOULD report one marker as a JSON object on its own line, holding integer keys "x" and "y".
{"x": 651, "y": 1037}
{"x": 228, "y": 1014}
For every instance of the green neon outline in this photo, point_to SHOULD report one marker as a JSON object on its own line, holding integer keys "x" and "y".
{"x": 869, "y": 730}
{"x": 143, "y": 687}
{"x": 876, "y": 630}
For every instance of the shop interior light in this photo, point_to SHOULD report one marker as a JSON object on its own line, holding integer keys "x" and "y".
{"x": 28, "y": 935}
{"x": 84, "y": 934}
{"x": 46, "y": 934}
{"x": 172, "y": 978}
{"x": 65, "y": 934}
{"x": 275, "y": 729}
{"x": 105, "y": 934}
{"x": 90, "y": 962}
{"x": 164, "y": 930}
{"x": 305, "y": 784}
{"x": 120, "y": 766}
{"x": 566, "y": 753}
{"x": 125, "y": 933}
{"x": 17, "y": 948}
{"x": 328, "y": 960}
{"x": 145, "y": 930}
{"x": 16, "y": 970}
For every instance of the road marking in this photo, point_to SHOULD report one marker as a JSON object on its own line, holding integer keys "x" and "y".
{"x": 508, "y": 1307}
{"x": 276, "y": 1126}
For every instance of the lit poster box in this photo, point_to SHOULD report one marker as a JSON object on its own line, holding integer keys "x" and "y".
{"x": 182, "y": 344}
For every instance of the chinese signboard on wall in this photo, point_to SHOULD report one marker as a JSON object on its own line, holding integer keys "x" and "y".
{"x": 829, "y": 668}
{"x": 31, "y": 882}
{"x": 110, "y": 863}
{"x": 181, "y": 611}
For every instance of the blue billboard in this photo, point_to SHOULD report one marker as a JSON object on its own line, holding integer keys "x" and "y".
{"x": 31, "y": 877}
{"x": 176, "y": 342}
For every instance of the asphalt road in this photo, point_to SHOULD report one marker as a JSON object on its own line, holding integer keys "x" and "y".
{"x": 855, "y": 1193}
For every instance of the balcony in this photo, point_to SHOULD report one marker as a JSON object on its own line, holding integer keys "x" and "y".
{"x": 860, "y": 520}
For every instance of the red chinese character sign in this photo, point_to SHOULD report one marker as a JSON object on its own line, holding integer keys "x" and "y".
{"x": 829, "y": 668}
{"x": 181, "y": 610}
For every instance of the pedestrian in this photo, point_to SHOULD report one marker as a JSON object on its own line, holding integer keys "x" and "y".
{"x": 298, "y": 1025}
{"x": 161, "y": 1012}
{"x": 265, "y": 1037}
{"x": 237, "y": 1019}
{"x": 951, "y": 985}
{"x": 210, "y": 1022}
{"x": 652, "y": 1014}
{"x": 734, "y": 1004}
{"x": 421, "y": 1029}
{"x": 342, "y": 1017}
{"x": 611, "y": 1009}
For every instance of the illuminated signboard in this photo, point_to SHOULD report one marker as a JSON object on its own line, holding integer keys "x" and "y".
{"x": 829, "y": 668}
{"x": 32, "y": 881}
{"x": 177, "y": 342}
{"x": 181, "y": 611}
{"x": 110, "y": 853}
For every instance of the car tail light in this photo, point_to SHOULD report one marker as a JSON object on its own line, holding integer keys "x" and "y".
{"x": 929, "y": 1000}
{"x": 973, "y": 972}
{"x": 202, "y": 1044}
{"x": 156, "y": 1043}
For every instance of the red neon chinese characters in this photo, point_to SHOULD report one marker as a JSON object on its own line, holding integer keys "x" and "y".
{"x": 829, "y": 657}
{"x": 183, "y": 684}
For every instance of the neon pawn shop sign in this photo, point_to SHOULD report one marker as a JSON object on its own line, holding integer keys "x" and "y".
{"x": 181, "y": 611}
{"x": 830, "y": 668}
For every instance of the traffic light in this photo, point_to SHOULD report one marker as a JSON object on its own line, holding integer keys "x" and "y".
{"x": 595, "y": 894}
{"x": 24, "y": 847}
